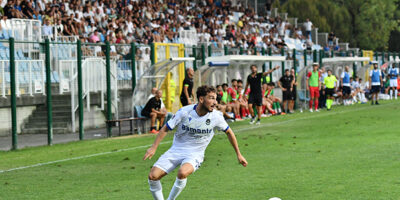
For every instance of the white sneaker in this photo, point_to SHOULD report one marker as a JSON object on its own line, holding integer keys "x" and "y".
{"x": 252, "y": 121}
{"x": 311, "y": 110}
{"x": 316, "y": 110}
{"x": 258, "y": 122}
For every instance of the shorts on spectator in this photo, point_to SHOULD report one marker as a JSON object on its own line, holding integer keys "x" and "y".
{"x": 329, "y": 92}
{"x": 255, "y": 99}
{"x": 346, "y": 90}
{"x": 287, "y": 95}
{"x": 375, "y": 89}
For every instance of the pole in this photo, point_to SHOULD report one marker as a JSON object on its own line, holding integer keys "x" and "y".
{"x": 108, "y": 79}
{"x": 315, "y": 55}
{"x": 270, "y": 64}
{"x": 48, "y": 94}
{"x": 152, "y": 53}
{"x": 305, "y": 57}
{"x": 133, "y": 65}
{"x": 283, "y": 62}
{"x": 13, "y": 96}
{"x": 376, "y": 56}
{"x": 264, "y": 66}
{"x": 383, "y": 57}
{"x": 80, "y": 90}
{"x": 321, "y": 55}
{"x": 209, "y": 51}
{"x": 203, "y": 54}
{"x": 255, "y": 51}
{"x": 294, "y": 61}
{"x": 241, "y": 51}
{"x": 226, "y": 50}
{"x": 354, "y": 66}
{"x": 195, "y": 57}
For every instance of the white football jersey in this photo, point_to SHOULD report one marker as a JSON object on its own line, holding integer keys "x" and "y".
{"x": 194, "y": 133}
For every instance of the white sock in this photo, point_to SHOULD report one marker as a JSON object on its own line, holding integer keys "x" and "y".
{"x": 391, "y": 93}
{"x": 156, "y": 190}
{"x": 395, "y": 93}
{"x": 177, "y": 188}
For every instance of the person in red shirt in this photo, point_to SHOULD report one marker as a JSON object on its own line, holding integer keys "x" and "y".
{"x": 314, "y": 85}
{"x": 233, "y": 100}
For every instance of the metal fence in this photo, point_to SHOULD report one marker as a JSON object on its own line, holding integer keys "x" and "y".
{"x": 58, "y": 84}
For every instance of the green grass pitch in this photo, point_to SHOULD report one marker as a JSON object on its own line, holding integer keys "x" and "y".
{"x": 351, "y": 152}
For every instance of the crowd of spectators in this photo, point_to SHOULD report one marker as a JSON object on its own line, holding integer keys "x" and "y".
{"x": 145, "y": 21}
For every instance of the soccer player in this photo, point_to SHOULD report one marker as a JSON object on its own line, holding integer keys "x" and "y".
{"x": 195, "y": 128}
{"x": 345, "y": 83}
{"x": 286, "y": 83}
{"x": 314, "y": 85}
{"x": 330, "y": 89}
{"x": 375, "y": 83}
{"x": 187, "y": 89}
{"x": 393, "y": 73}
{"x": 255, "y": 96}
{"x": 233, "y": 99}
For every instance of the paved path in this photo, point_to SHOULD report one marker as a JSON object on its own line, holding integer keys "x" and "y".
{"x": 30, "y": 140}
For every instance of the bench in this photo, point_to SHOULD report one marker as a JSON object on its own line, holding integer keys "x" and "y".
{"x": 118, "y": 122}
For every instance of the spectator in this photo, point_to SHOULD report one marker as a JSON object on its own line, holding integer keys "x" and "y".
{"x": 308, "y": 27}
{"x": 47, "y": 29}
{"x": 152, "y": 110}
{"x": 286, "y": 83}
{"x": 187, "y": 89}
{"x": 331, "y": 38}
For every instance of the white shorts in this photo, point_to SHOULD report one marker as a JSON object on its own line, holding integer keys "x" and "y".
{"x": 170, "y": 160}
{"x": 393, "y": 83}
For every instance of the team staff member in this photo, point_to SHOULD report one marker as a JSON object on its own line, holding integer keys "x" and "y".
{"x": 286, "y": 84}
{"x": 314, "y": 85}
{"x": 375, "y": 83}
{"x": 345, "y": 83}
{"x": 187, "y": 89}
{"x": 255, "y": 96}
{"x": 330, "y": 82}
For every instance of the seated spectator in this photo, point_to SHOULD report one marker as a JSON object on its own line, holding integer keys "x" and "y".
{"x": 152, "y": 110}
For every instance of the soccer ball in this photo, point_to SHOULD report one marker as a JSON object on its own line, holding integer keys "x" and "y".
{"x": 275, "y": 198}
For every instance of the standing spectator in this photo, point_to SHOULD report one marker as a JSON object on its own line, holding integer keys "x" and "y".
{"x": 375, "y": 83}
{"x": 322, "y": 95}
{"x": 152, "y": 110}
{"x": 308, "y": 27}
{"x": 286, "y": 83}
{"x": 294, "y": 91}
{"x": 331, "y": 38}
{"x": 314, "y": 86}
{"x": 187, "y": 89}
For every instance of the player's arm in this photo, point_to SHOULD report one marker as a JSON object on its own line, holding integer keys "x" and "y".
{"x": 152, "y": 150}
{"x": 370, "y": 82}
{"x": 270, "y": 71}
{"x": 280, "y": 86}
{"x": 307, "y": 86}
{"x": 233, "y": 141}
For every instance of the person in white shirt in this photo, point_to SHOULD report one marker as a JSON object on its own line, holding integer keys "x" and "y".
{"x": 195, "y": 128}
{"x": 393, "y": 73}
{"x": 308, "y": 26}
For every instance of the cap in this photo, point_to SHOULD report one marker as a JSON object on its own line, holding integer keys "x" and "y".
{"x": 374, "y": 62}
{"x": 315, "y": 63}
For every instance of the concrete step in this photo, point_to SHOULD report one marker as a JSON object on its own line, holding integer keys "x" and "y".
{"x": 56, "y": 118}
{"x": 44, "y": 130}
{"x": 43, "y": 124}
{"x": 66, "y": 108}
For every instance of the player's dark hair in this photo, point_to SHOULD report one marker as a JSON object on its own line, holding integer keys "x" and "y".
{"x": 217, "y": 86}
{"x": 286, "y": 70}
{"x": 239, "y": 81}
{"x": 223, "y": 85}
{"x": 233, "y": 80}
{"x": 202, "y": 91}
{"x": 271, "y": 84}
{"x": 252, "y": 66}
{"x": 329, "y": 70}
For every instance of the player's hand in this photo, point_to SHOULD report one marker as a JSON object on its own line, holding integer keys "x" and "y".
{"x": 291, "y": 89}
{"x": 307, "y": 88}
{"x": 242, "y": 160}
{"x": 149, "y": 153}
{"x": 284, "y": 89}
{"x": 189, "y": 102}
{"x": 276, "y": 67}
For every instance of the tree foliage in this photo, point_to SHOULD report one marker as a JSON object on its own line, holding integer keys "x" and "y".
{"x": 366, "y": 24}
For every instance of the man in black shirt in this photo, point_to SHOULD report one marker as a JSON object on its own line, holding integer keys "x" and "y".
{"x": 255, "y": 96}
{"x": 187, "y": 89}
{"x": 152, "y": 110}
{"x": 286, "y": 84}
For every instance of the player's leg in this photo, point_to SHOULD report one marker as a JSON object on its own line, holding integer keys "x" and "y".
{"x": 155, "y": 176}
{"x": 184, "y": 171}
{"x": 316, "y": 96}
{"x": 311, "y": 98}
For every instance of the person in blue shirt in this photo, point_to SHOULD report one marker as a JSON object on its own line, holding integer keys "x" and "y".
{"x": 375, "y": 83}
{"x": 393, "y": 73}
{"x": 345, "y": 83}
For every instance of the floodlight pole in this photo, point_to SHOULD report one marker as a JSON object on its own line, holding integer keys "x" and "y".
{"x": 48, "y": 94}
{"x": 13, "y": 96}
